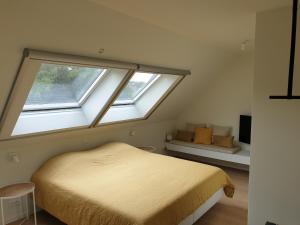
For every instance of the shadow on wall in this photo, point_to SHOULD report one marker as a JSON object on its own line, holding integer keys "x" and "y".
{"x": 225, "y": 98}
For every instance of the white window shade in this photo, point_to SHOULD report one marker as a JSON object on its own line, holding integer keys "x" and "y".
{"x": 162, "y": 70}
{"x": 77, "y": 60}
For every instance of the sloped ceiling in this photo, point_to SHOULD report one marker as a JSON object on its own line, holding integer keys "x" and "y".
{"x": 224, "y": 23}
{"x": 198, "y": 35}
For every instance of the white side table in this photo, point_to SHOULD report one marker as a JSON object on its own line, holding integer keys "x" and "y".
{"x": 17, "y": 191}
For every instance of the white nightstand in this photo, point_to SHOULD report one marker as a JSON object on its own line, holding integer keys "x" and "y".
{"x": 17, "y": 191}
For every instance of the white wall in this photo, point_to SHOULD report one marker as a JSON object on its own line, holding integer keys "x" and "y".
{"x": 82, "y": 27}
{"x": 33, "y": 152}
{"x": 225, "y": 98}
{"x": 275, "y": 157}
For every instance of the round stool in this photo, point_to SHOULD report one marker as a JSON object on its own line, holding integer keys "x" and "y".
{"x": 18, "y": 191}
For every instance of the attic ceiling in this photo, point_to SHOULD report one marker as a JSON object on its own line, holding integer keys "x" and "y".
{"x": 200, "y": 35}
{"x": 224, "y": 24}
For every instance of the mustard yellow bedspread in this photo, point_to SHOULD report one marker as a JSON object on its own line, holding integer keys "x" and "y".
{"x": 117, "y": 184}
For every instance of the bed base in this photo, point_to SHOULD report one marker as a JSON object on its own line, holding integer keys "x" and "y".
{"x": 191, "y": 219}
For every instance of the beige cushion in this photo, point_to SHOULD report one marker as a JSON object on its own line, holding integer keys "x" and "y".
{"x": 223, "y": 141}
{"x": 221, "y": 131}
{"x": 192, "y": 126}
{"x": 183, "y": 135}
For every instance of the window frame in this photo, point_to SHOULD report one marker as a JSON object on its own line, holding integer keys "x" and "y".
{"x": 93, "y": 86}
{"x": 135, "y": 112}
{"x": 29, "y": 67}
{"x": 75, "y": 118}
{"x": 139, "y": 94}
{"x": 64, "y": 106}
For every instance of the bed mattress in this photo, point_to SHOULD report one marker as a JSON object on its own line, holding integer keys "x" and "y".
{"x": 118, "y": 184}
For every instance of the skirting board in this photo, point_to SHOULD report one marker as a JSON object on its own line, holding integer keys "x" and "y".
{"x": 203, "y": 208}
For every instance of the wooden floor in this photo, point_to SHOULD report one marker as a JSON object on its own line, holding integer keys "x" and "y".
{"x": 230, "y": 211}
{"x": 226, "y": 212}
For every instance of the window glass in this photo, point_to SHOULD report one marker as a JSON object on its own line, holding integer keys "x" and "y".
{"x": 61, "y": 86}
{"x": 137, "y": 84}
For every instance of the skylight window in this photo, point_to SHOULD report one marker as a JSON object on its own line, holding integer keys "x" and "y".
{"x": 153, "y": 95}
{"x": 61, "y": 86}
{"x": 136, "y": 86}
{"x": 58, "y": 92}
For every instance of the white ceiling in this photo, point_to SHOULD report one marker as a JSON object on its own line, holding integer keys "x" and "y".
{"x": 223, "y": 24}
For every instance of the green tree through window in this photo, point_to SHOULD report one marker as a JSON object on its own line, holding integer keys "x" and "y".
{"x": 58, "y": 84}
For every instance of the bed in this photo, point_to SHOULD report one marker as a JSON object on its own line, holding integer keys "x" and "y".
{"x": 118, "y": 184}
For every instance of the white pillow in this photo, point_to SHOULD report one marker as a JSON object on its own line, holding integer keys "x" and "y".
{"x": 221, "y": 131}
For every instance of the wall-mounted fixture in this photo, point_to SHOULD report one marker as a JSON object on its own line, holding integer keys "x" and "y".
{"x": 101, "y": 51}
{"x": 13, "y": 157}
{"x": 132, "y": 132}
{"x": 292, "y": 57}
{"x": 244, "y": 45}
